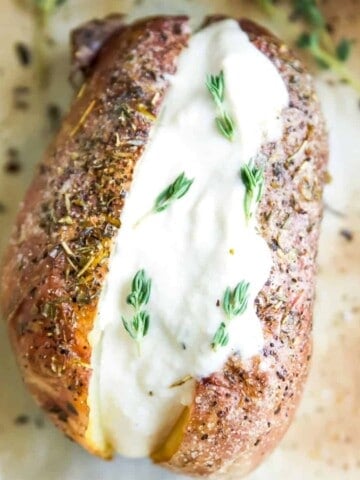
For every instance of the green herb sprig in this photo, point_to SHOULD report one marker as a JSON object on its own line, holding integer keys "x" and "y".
{"x": 254, "y": 181}
{"x": 41, "y": 10}
{"x": 176, "y": 190}
{"x": 139, "y": 296}
{"x": 311, "y": 42}
{"x": 216, "y": 86}
{"x": 309, "y": 11}
{"x": 221, "y": 337}
{"x": 47, "y": 6}
{"x": 235, "y": 303}
{"x": 316, "y": 40}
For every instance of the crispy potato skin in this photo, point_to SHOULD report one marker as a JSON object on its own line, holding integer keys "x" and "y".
{"x": 240, "y": 414}
{"x": 50, "y": 289}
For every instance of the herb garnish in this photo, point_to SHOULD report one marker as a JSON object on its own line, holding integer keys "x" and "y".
{"x": 182, "y": 381}
{"x": 311, "y": 42}
{"x": 253, "y": 179}
{"x": 139, "y": 296}
{"x": 42, "y": 10}
{"x": 216, "y": 87}
{"x": 234, "y": 303}
{"x": 174, "y": 191}
{"x": 221, "y": 337}
{"x": 48, "y": 6}
{"x": 310, "y": 12}
{"x": 316, "y": 38}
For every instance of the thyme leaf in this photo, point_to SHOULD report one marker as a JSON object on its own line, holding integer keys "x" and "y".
{"x": 221, "y": 337}
{"x": 174, "y": 191}
{"x": 216, "y": 86}
{"x": 343, "y": 49}
{"x": 253, "y": 179}
{"x": 225, "y": 125}
{"x": 235, "y": 303}
{"x": 140, "y": 290}
{"x": 138, "y": 298}
{"x": 310, "y": 12}
{"x": 138, "y": 326}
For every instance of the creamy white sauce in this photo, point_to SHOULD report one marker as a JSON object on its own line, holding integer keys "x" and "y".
{"x": 192, "y": 251}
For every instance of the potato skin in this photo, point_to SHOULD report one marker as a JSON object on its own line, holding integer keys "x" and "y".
{"x": 240, "y": 414}
{"x": 58, "y": 254}
{"x": 49, "y": 295}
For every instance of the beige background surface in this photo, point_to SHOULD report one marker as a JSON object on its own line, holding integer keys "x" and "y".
{"x": 324, "y": 441}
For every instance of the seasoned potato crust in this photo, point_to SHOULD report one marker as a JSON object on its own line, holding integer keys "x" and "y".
{"x": 58, "y": 256}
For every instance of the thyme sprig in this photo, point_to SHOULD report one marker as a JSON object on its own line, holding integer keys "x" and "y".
{"x": 316, "y": 38}
{"x": 221, "y": 337}
{"x": 176, "y": 190}
{"x": 235, "y": 303}
{"x": 47, "y": 6}
{"x": 139, "y": 296}
{"x": 42, "y": 10}
{"x": 216, "y": 86}
{"x": 254, "y": 180}
{"x": 311, "y": 42}
{"x": 309, "y": 11}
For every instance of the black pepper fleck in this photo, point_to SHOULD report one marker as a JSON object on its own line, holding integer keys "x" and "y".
{"x": 23, "y": 54}
{"x": 347, "y": 234}
{"x": 12, "y": 164}
{"x": 21, "y": 419}
{"x": 53, "y": 112}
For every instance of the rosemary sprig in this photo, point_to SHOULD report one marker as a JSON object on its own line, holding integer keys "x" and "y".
{"x": 253, "y": 179}
{"x": 139, "y": 296}
{"x": 235, "y": 303}
{"x": 176, "y": 190}
{"x": 216, "y": 86}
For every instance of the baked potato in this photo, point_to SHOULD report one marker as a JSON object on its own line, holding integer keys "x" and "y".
{"x": 159, "y": 283}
